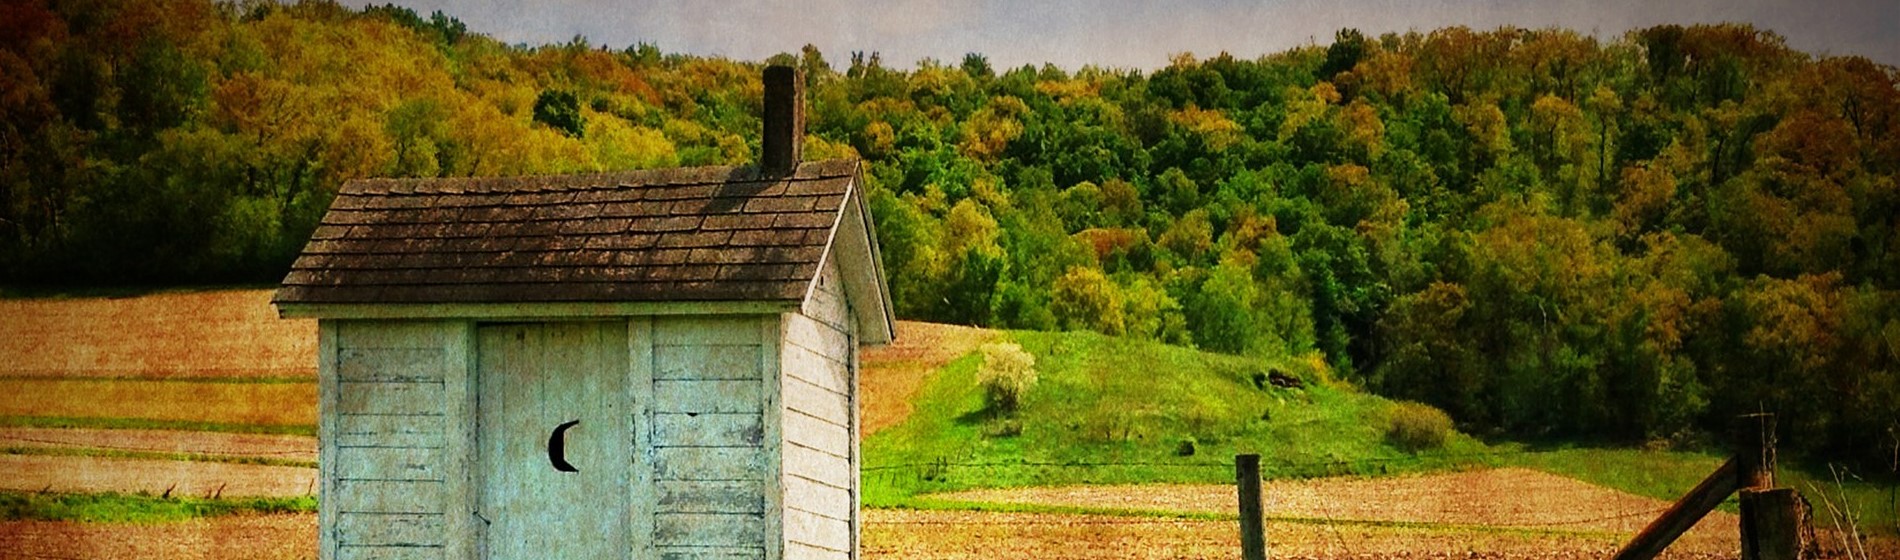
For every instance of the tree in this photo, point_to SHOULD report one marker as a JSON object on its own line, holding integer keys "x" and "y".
{"x": 560, "y": 110}
{"x": 1084, "y": 298}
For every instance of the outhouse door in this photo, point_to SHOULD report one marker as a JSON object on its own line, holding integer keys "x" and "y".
{"x": 555, "y": 440}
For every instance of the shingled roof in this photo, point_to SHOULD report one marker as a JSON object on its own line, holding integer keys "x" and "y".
{"x": 694, "y": 234}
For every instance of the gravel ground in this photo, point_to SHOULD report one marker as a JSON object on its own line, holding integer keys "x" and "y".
{"x": 182, "y": 478}
{"x": 292, "y": 448}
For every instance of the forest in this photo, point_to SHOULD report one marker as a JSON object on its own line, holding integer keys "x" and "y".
{"x": 1550, "y": 236}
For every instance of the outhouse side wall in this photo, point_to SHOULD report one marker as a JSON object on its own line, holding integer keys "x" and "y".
{"x": 821, "y": 425}
{"x": 714, "y": 437}
{"x": 393, "y": 459}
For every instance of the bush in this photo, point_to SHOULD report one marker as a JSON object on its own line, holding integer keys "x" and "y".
{"x": 1006, "y": 375}
{"x": 1417, "y": 427}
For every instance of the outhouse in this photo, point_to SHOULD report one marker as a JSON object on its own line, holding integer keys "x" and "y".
{"x": 651, "y": 364}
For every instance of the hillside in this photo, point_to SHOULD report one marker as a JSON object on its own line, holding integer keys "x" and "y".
{"x": 1548, "y": 234}
{"x": 1109, "y": 410}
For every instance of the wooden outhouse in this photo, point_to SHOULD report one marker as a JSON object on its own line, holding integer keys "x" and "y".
{"x": 653, "y": 364}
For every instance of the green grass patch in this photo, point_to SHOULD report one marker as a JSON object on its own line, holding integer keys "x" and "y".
{"x": 1109, "y": 410}
{"x": 152, "y": 424}
{"x": 112, "y": 507}
{"x": 155, "y": 455}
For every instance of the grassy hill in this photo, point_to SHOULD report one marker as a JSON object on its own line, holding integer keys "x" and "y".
{"x": 1111, "y": 410}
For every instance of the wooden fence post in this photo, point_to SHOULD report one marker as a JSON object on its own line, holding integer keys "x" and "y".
{"x": 1253, "y": 536}
{"x": 1771, "y": 524}
{"x": 1754, "y": 447}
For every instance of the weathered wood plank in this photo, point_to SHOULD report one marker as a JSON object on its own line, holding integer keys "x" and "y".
{"x": 816, "y": 530}
{"x": 817, "y": 401}
{"x": 646, "y": 465}
{"x": 389, "y": 398}
{"x": 393, "y": 334}
{"x": 820, "y": 338}
{"x": 327, "y": 420}
{"x": 712, "y": 497}
{"x": 690, "y": 330}
{"x": 422, "y": 431}
{"x": 712, "y": 553}
{"x": 709, "y": 529}
{"x": 717, "y": 361}
{"x": 802, "y": 551}
{"x": 387, "y": 463}
{"x": 377, "y": 496}
{"x": 809, "y": 366}
{"x": 708, "y": 463}
{"x": 698, "y": 396}
{"x": 386, "y": 552}
{"x": 818, "y": 465}
{"x": 816, "y": 497}
{"x": 815, "y": 433}
{"x": 389, "y": 529}
{"x": 707, "y": 430}
{"x": 393, "y": 364}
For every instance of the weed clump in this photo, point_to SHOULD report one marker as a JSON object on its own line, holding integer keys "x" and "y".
{"x": 1006, "y": 376}
{"x": 1417, "y": 427}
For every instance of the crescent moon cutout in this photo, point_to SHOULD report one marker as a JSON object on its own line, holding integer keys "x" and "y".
{"x": 557, "y": 447}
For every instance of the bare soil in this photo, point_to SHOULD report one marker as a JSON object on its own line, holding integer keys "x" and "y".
{"x": 33, "y": 473}
{"x": 893, "y": 373}
{"x": 1490, "y": 498}
{"x": 892, "y": 534}
{"x": 193, "y": 334}
{"x": 286, "y": 536}
{"x": 292, "y": 448}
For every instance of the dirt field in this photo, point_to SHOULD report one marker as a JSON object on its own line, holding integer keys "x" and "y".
{"x": 888, "y": 534}
{"x": 191, "y": 334}
{"x": 262, "y": 537}
{"x": 293, "y": 448}
{"x": 268, "y": 404}
{"x": 33, "y": 473}
{"x": 895, "y": 372}
{"x": 1493, "y": 498}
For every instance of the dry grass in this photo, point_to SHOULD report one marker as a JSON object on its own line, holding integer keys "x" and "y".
{"x": 193, "y": 334}
{"x": 267, "y": 404}
{"x": 260, "y": 446}
{"x": 895, "y": 372}
{"x": 198, "y": 479}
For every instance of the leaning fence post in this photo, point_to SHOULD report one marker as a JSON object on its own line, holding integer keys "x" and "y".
{"x": 1253, "y": 536}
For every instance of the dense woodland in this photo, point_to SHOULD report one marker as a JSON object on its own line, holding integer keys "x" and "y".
{"x": 1545, "y": 234}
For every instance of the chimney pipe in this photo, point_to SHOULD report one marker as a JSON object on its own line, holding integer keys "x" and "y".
{"x": 784, "y": 121}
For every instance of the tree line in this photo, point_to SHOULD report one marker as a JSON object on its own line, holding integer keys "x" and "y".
{"x": 1543, "y": 233}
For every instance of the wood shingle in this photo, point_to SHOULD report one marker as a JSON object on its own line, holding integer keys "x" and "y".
{"x": 693, "y": 234}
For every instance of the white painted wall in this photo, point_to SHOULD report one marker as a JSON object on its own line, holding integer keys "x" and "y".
{"x": 821, "y": 425}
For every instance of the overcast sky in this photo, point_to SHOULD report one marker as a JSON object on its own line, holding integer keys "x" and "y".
{"x": 1123, "y": 33}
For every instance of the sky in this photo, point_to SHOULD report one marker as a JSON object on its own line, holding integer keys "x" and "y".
{"x": 1123, "y": 33}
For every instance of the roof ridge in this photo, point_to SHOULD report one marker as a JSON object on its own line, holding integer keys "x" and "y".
{"x": 701, "y": 175}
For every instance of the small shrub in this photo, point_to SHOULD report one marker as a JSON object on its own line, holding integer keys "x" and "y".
{"x": 1006, "y": 376}
{"x": 1417, "y": 427}
{"x": 1185, "y": 448}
